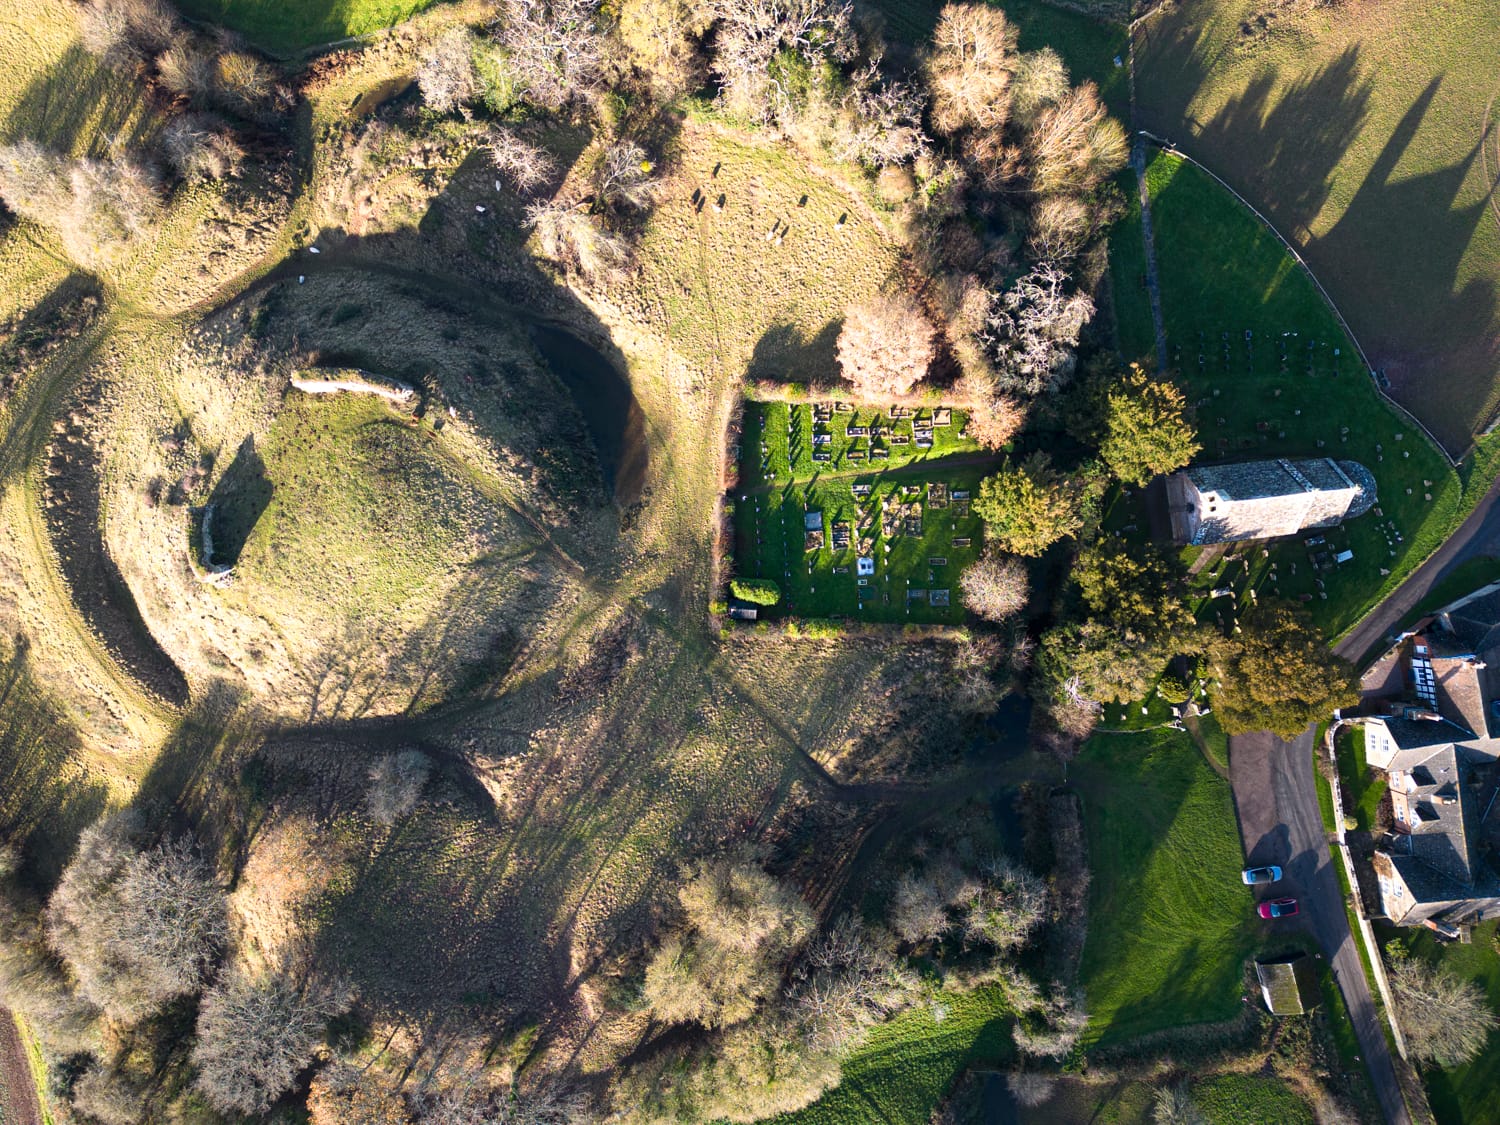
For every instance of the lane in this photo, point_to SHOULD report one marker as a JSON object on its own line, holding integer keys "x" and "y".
{"x": 1276, "y": 799}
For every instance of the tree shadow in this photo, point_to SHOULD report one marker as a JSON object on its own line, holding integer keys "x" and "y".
{"x": 79, "y": 105}
{"x": 238, "y": 500}
{"x": 784, "y": 355}
{"x": 46, "y": 796}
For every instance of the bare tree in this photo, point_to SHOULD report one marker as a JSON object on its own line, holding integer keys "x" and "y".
{"x": 198, "y": 148}
{"x": 1031, "y": 1089}
{"x": 1075, "y": 145}
{"x": 886, "y": 345}
{"x": 526, "y": 166}
{"x": 752, "y": 34}
{"x": 880, "y": 123}
{"x": 1056, "y": 1029}
{"x": 1446, "y": 1020}
{"x": 255, "y": 1036}
{"x": 1034, "y": 326}
{"x": 995, "y": 587}
{"x": 1060, "y": 225}
{"x": 1040, "y": 81}
{"x": 33, "y": 182}
{"x": 108, "y": 1097}
{"x": 446, "y": 75}
{"x": 739, "y": 927}
{"x": 570, "y": 236}
{"x": 137, "y": 929}
{"x": 1009, "y": 903}
{"x": 396, "y": 782}
{"x": 243, "y": 82}
{"x": 125, "y": 32}
{"x": 1174, "y": 1106}
{"x": 664, "y": 40}
{"x": 554, "y": 49}
{"x": 533, "y": 1103}
{"x": 186, "y": 67}
{"x": 624, "y": 178}
{"x": 969, "y": 68}
{"x": 845, "y": 982}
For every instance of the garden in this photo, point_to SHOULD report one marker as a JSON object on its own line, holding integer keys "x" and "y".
{"x": 856, "y": 513}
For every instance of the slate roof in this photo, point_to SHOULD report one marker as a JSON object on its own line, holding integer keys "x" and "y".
{"x": 1266, "y": 499}
{"x": 1438, "y": 857}
{"x": 1474, "y": 622}
{"x": 1416, "y": 734}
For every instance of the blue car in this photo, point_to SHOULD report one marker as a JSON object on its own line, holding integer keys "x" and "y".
{"x": 1253, "y": 876}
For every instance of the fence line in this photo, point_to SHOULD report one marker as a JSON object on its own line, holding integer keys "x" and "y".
{"x": 1375, "y": 379}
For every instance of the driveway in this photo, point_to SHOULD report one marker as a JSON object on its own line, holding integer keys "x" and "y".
{"x": 1277, "y": 803}
{"x": 1476, "y": 536}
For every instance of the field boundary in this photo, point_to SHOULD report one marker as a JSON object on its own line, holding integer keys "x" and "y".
{"x": 1171, "y": 149}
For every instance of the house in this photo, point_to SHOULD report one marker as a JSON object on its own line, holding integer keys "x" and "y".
{"x": 1265, "y": 499}
{"x": 1431, "y": 725}
{"x": 1289, "y": 985}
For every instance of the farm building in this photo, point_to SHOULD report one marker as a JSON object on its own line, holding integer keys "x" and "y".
{"x": 1289, "y": 985}
{"x": 1265, "y": 499}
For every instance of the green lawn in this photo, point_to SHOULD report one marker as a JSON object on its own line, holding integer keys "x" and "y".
{"x": 1466, "y": 1095}
{"x": 1273, "y": 375}
{"x": 1135, "y": 334}
{"x": 1238, "y": 1099}
{"x": 1362, "y": 790}
{"x": 286, "y": 26}
{"x": 780, "y": 484}
{"x": 1170, "y": 923}
{"x": 909, "y": 1064}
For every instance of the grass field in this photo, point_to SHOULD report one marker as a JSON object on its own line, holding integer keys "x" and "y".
{"x": 780, "y": 486}
{"x": 1235, "y": 1099}
{"x": 1469, "y": 1094}
{"x": 1362, "y": 131}
{"x": 1273, "y": 375}
{"x": 285, "y": 26}
{"x": 909, "y": 1064}
{"x": 1170, "y": 923}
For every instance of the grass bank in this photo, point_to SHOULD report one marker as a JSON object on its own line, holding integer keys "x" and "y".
{"x": 909, "y": 1064}
{"x": 1170, "y": 923}
{"x": 286, "y": 26}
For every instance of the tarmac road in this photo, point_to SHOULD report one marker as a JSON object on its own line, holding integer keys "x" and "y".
{"x": 1277, "y": 803}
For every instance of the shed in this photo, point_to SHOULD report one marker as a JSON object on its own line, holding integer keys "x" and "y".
{"x": 1289, "y": 984}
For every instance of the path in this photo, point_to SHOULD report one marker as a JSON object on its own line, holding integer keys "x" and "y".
{"x": 1153, "y": 286}
{"x": 911, "y": 468}
{"x": 1276, "y": 800}
{"x": 18, "y": 1100}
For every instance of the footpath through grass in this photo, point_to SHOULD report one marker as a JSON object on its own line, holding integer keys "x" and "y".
{"x": 1272, "y": 374}
{"x": 1170, "y": 923}
{"x": 909, "y": 1064}
{"x": 286, "y": 26}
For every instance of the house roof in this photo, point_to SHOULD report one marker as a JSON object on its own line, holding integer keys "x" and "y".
{"x": 1289, "y": 984}
{"x": 1247, "y": 480}
{"x": 1438, "y": 857}
{"x": 1474, "y": 622}
{"x": 1418, "y": 734}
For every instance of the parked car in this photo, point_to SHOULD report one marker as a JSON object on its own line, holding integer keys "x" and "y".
{"x": 1277, "y": 908}
{"x": 1254, "y": 875}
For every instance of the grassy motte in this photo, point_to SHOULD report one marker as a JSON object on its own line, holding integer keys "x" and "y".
{"x": 1170, "y": 923}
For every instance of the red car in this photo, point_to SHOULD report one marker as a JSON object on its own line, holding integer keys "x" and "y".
{"x": 1277, "y": 908}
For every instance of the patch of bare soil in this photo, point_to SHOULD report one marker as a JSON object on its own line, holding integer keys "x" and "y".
{"x": 18, "y": 1100}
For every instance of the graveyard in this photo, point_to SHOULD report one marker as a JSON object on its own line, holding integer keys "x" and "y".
{"x": 857, "y": 513}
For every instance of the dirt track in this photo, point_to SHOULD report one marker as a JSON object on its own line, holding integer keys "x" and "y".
{"x": 18, "y": 1102}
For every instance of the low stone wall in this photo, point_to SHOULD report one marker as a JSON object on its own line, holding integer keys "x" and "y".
{"x": 353, "y": 382}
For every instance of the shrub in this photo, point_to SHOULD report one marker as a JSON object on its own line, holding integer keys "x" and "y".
{"x": 125, "y": 32}
{"x": 759, "y": 591}
{"x": 198, "y": 150}
{"x": 995, "y": 587}
{"x": 396, "y": 782}
{"x": 446, "y": 75}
